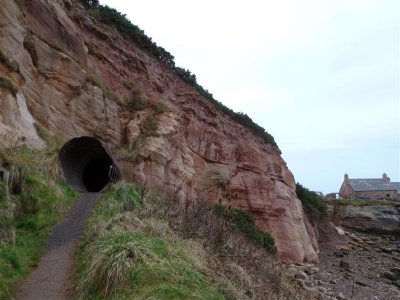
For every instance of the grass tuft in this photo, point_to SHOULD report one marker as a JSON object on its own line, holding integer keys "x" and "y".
{"x": 245, "y": 222}
{"x": 127, "y": 256}
{"x": 137, "y": 103}
{"x": 166, "y": 248}
{"x": 150, "y": 125}
{"x": 8, "y": 85}
{"x": 30, "y": 47}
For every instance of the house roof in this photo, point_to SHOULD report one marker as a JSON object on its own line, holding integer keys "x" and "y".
{"x": 374, "y": 184}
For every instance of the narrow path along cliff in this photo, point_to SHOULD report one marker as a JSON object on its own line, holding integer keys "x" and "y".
{"x": 52, "y": 279}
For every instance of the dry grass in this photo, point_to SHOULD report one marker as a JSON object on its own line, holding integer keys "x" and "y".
{"x": 44, "y": 162}
{"x": 128, "y": 255}
{"x": 123, "y": 241}
{"x": 149, "y": 125}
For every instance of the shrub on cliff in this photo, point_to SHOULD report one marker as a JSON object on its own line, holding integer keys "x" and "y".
{"x": 111, "y": 16}
{"x": 149, "y": 125}
{"x": 8, "y": 85}
{"x": 312, "y": 203}
{"x": 137, "y": 103}
{"x": 245, "y": 222}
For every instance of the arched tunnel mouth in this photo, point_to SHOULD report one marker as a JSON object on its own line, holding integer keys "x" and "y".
{"x": 87, "y": 164}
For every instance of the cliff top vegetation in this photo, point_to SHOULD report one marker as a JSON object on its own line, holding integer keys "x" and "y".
{"x": 133, "y": 33}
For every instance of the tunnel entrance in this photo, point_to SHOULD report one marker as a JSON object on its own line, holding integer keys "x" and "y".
{"x": 95, "y": 174}
{"x": 87, "y": 164}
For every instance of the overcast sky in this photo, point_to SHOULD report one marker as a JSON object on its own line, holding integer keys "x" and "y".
{"x": 321, "y": 76}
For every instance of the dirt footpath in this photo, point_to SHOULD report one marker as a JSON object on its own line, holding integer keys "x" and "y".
{"x": 53, "y": 278}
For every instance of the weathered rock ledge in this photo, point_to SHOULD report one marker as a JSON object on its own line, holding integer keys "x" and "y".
{"x": 368, "y": 218}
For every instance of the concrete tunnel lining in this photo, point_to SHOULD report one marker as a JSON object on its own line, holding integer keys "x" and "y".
{"x": 86, "y": 162}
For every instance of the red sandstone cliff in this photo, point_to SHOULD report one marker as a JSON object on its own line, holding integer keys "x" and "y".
{"x": 76, "y": 85}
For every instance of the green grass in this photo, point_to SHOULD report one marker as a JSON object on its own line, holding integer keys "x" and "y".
{"x": 135, "y": 265}
{"x": 245, "y": 222}
{"x": 44, "y": 199}
{"x": 127, "y": 256}
{"x": 313, "y": 204}
{"x": 147, "y": 243}
{"x": 363, "y": 202}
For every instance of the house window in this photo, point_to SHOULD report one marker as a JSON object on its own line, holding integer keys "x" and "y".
{"x": 387, "y": 195}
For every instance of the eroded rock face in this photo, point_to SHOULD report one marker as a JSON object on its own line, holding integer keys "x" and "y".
{"x": 75, "y": 86}
{"x": 16, "y": 122}
{"x": 374, "y": 217}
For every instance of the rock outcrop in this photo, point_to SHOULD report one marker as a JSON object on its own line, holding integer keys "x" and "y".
{"x": 369, "y": 218}
{"x": 79, "y": 77}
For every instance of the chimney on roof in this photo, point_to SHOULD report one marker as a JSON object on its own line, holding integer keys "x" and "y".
{"x": 385, "y": 178}
{"x": 346, "y": 177}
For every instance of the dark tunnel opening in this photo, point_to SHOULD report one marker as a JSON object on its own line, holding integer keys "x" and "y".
{"x": 95, "y": 174}
{"x": 87, "y": 164}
